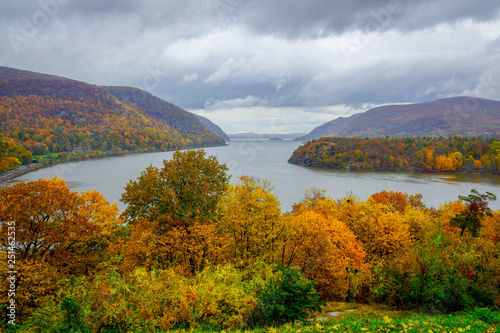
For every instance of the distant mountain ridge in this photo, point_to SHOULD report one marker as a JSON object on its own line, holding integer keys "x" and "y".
{"x": 455, "y": 116}
{"x": 43, "y": 113}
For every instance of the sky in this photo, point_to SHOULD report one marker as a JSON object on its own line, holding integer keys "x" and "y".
{"x": 275, "y": 66}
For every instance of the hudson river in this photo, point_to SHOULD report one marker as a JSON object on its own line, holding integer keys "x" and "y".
{"x": 267, "y": 160}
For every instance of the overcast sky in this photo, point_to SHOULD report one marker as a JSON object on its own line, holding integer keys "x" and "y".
{"x": 263, "y": 66}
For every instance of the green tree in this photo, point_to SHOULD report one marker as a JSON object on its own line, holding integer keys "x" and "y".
{"x": 477, "y": 208}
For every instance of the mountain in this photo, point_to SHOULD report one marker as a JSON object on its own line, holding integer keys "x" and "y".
{"x": 333, "y": 126}
{"x": 456, "y": 116}
{"x": 214, "y": 128}
{"x": 45, "y": 113}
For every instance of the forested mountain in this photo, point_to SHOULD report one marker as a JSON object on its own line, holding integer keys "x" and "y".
{"x": 403, "y": 154}
{"x": 461, "y": 116}
{"x": 157, "y": 108}
{"x": 44, "y": 113}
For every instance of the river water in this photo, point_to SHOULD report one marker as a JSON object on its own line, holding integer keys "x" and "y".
{"x": 267, "y": 160}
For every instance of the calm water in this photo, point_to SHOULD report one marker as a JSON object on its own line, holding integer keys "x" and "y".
{"x": 268, "y": 160}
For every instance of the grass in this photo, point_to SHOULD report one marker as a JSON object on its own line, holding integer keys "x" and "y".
{"x": 367, "y": 318}
{"x": 36, "y": 157}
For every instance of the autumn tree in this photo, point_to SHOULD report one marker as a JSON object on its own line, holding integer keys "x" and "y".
{"x": 52, "y": 223}
{"x": 399, "y": 201}
{"x": 186, "y": 190}
{"x": 173, "y": 211}
{"x": 383, "y": 233}
{"x": 324, "y": 249}
{"x": 252, "y": 223}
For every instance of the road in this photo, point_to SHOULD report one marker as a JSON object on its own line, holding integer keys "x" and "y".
{"x": 17, "y": 172}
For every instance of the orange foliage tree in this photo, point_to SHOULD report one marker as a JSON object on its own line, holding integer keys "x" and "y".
{"x": 324, "y": 249}
{"x": 53, "y": 232}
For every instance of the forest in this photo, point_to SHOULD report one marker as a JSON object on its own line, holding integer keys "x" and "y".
{"x": 194, "y": 251}
{"x": 43, "y": 115}
{"x": 426, "y": 154}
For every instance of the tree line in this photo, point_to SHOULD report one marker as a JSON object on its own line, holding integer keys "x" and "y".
{"x": 405, "y": 154}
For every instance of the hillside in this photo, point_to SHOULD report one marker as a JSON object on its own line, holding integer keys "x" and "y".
{"x": 461, "y": 116}
{"x": 42, "y": 113}
{"x": 408, "y": 154}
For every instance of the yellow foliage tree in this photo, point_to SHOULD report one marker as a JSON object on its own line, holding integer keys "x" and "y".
{"x": 187, "y": 250}
{"x": 382, "y": 233}
{"x": 251, "y": 224}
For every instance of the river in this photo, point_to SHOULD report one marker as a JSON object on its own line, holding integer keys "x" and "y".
{"x": 267, "y": 160}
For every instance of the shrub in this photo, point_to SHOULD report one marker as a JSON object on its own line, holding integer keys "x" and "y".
{"x": 217, "y": 299}
{"x": 289, "y": 298}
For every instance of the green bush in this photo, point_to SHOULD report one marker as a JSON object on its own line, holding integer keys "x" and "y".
{"x": 288, "y": 298}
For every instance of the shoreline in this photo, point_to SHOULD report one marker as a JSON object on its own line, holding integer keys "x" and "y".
{"x": 437, "y": 172}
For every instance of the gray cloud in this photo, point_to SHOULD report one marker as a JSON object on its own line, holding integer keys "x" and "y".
{"x": 317, "y": 18}
{"x": 308, "y": 56}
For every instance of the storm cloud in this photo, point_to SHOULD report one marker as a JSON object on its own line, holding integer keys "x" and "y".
{"x": 251, "y": 64}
